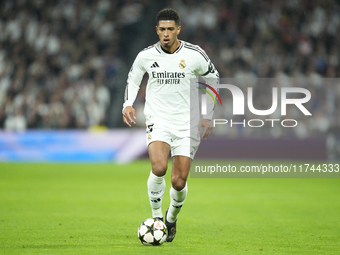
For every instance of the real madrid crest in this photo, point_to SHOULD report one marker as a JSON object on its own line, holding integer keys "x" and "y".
{"x": 182, "y": 64}
{"x": 149, "y": 137}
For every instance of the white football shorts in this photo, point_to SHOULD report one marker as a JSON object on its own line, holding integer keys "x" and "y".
{"x": 181, "y": 142}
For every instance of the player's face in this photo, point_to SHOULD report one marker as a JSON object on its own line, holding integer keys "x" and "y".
{"x": 167, "y": 31}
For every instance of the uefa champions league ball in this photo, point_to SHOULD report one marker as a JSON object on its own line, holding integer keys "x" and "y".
{"x": 152, "y": 232}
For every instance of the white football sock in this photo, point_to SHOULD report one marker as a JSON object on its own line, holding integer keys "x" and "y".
{"x": 177, "y": 199}
{"x": 156, "y": 188}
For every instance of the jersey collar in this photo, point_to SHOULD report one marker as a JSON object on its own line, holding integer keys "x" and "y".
{"x": 162, "y": 51}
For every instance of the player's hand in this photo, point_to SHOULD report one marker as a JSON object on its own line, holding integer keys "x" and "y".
{"x": 206, "y": 124}
{"x": 129, "y": 115}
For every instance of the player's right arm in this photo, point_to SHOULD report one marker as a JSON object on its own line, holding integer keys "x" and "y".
{"x": 132, "y": 87}
{"x": 129, "y": 115}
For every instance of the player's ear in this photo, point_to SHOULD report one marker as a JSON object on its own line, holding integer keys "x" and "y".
{"x": 178, "y": 30}
{"x": 156, "y": 29}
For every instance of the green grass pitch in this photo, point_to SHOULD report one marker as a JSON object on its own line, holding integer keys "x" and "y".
{"x": 97, "y": 208}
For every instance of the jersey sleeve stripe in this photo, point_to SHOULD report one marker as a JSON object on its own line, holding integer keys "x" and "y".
{"x": 199, "y": 51}
{"x": 150, "y": 47}
{"x": 126, "y": 93}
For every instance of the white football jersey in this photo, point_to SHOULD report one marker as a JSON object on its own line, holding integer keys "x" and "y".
{"x": 168, "y": 89}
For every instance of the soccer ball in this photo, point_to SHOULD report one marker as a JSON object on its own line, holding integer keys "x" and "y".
{"x": 152, "y": 232}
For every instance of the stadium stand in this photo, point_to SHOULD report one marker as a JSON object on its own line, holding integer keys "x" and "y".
{"x": 63, "y": 63}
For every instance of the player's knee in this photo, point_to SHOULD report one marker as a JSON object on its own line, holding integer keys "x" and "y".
{"x": 159, "y": 168}
{"x": 178, "y": 183}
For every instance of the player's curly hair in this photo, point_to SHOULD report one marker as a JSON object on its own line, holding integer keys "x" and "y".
{"x": 167, "y": 14}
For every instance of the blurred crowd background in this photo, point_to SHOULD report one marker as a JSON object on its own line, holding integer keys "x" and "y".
{"x": 64, "y": 63}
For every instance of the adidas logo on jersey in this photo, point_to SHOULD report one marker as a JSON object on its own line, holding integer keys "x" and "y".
{"x": 154, "y": 65}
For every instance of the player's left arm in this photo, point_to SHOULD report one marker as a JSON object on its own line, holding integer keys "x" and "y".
{"x": 206, "y": 124}
{"x": 210, "y": 75}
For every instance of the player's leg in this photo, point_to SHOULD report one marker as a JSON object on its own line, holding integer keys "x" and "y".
{"x": 178, "y": 192}
{"x": 179, "y": 189}
{"x": 183, "y": 149}
{"x": 158, "y": 153}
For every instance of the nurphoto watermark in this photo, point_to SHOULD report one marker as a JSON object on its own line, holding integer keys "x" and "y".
{"x": 277, "y": 108}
